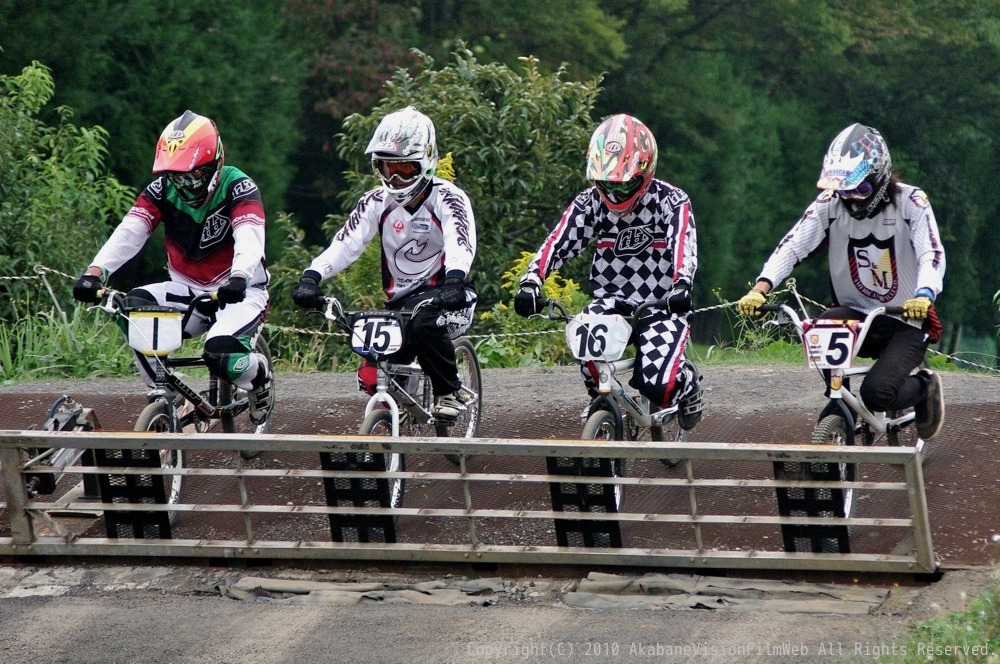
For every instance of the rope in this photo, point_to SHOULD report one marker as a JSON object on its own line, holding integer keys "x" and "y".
{"x": 790, "y": 287}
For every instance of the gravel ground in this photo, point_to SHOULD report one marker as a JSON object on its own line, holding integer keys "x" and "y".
{"x": 735, "y": 389}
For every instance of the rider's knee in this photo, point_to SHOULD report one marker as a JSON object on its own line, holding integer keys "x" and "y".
{"x": 139, "y": 297}
{"x": 878, "y": 397}
{"x": 226, "y": 357}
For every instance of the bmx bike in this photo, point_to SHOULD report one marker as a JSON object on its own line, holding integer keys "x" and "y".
{"x": 831, "y": 347}
{"x": 403, "y": 399}
{"x": 599, "y": 341}
{"x": 173, "y": 405}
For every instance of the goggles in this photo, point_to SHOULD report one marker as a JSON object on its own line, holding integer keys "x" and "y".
{"x": 192, "y": 180}
{"x": 397, "y": 172}
{"x": 619, "y": 191}
{"x": 859, "y": 193}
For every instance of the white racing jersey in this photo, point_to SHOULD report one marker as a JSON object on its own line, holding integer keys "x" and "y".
{"x": 418, "y": 248}
{"x": 878, "y": 262}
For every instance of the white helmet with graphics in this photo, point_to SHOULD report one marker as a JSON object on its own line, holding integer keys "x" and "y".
{"x": 857, "y": 169}
{"x": 404, "y": 153}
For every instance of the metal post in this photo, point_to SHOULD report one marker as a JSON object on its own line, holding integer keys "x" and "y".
{"x": 913, "y": 469}
{"x": 21, "y": 530}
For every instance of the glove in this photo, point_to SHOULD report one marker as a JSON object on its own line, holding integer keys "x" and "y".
{"x": 750, "y": 304}
{"x": 917, "y": 308}
{"x": 307, "y": 293}
{"x": 86, "y": 289}
{"x": 679, "y": 299}
{"x": 528, "y": 301}
{"x": 232, "y": 291}
{"x": 452, "y": 296}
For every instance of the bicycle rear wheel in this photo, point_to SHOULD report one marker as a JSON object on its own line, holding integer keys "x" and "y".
{"x": 668, "y": 432}
{"x": 158, "y": 417}
{"x": 471, "y": 377}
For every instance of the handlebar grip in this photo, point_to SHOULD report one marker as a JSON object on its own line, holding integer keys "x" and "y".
{"x": 894, "y": 311}
{"x": 769, "y": 308}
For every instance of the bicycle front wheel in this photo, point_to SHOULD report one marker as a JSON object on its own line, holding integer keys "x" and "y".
{"x": 471, "y": 377}
{"x": 379, "y": 423}
{"x": 601, "y": 426}
{"x": 158, "y": 417}
{"x": 669, "y": 432}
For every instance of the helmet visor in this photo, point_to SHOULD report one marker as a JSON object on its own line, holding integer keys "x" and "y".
{"x": 619, "y": 192}
{"x": 397, "y": 174}
{"x": 859, "y": 193}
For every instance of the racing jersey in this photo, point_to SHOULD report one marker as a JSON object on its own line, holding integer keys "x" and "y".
{"x": 204, "y": 245}
{"x": 873, "y": 262}
{"x": 638, "y": 256}
{"x": 418, "y": 247}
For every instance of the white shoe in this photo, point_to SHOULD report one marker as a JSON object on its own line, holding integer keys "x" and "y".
{"x": 449, "y": 406}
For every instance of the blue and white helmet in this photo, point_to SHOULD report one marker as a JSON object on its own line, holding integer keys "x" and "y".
{"x": 404, "y": 153}
{"x": 856, "y": 169}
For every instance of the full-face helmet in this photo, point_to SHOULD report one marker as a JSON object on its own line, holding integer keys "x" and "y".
{"x": 857, "y": 168}
{"x": 190, "y": 155}
{"x": 621, "y": 161}
{"x": 404, "y": 153}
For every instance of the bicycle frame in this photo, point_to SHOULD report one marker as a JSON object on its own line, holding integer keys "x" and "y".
{"x": 612, "y": 395}
{"x": 387, "y": 388}
{"x": 839, "y": 376}
{"x": 168, "y": 383}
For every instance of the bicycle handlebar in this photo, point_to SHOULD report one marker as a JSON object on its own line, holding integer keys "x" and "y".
{"x": 558, "y": 311}
{"x": 116, "y": 303}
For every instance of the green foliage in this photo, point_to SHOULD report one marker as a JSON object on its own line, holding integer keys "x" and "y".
{"x": 44, "y": 345}
{"x": 55, "y": 200}
{"x": 518, "y": 141}
{"x": 952, "y": 637}
{"x": 517, "y": 341}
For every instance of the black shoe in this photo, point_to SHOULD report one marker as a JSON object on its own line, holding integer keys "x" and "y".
{"x": 930, "y": 412}
{"x": 691, "y": 407}
{"x": 261, "y": 401}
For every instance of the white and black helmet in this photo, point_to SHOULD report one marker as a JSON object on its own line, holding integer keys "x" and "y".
{"x": 404, "y": 153}
{"x": 857, "y": 169}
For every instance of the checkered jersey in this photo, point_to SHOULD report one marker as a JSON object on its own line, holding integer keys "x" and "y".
{"x": 637, "y": 256}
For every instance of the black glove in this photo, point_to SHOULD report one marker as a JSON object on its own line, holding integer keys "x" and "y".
{"x": 528, "y": 301}
{"x": 232, "y": 291}
{"x": 307, "y": 293}
{"x": 86, "y": 289}
{"x": 452, "y": 296}
{"x": 679, "y": 299}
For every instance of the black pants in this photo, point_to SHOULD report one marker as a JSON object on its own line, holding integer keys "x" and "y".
{"x": 898, "y": 349}
{"x": 429, "y": 343}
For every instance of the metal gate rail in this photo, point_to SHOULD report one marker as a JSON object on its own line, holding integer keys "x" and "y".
{"x": 34, "y": 525}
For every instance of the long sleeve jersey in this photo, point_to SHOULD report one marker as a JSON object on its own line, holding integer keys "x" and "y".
{"x": 204, "y": 245}
{"x": 638, "y": 256}
{"x": 418, "y": 247}
{"x": 874, "y": 262}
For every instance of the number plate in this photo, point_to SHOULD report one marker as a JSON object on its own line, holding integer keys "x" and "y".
{"x": 830, "y": 344}
{"x": 376, "y": 334}
{"x": 598, "y": 336}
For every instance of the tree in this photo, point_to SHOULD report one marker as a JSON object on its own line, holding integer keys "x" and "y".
{"x": 518, "y": 142}
{"x": 55, "y": 200}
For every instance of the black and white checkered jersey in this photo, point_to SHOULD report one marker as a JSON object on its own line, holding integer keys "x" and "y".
{"x": 637, "y": 256}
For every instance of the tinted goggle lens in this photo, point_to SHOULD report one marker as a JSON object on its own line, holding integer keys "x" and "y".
{"x": 619, "y": 190}
{"x": 397, "y": 171}
{"x": 192, "y": 180}
{"x": 861, "y": 192}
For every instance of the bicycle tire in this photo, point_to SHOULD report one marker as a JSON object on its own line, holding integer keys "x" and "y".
{"x": 471, "y": 376}
{"x": 158, "y": 417}
{"x": 601, "y": 426}
{"x": 672, "y": 432}
{"x": 379, "y": 422}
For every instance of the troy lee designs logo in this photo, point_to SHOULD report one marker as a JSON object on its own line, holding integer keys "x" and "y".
{"x": 873, "y": 267}
{"x": 633, "y": 241}
{"x": 215, "y": 229}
